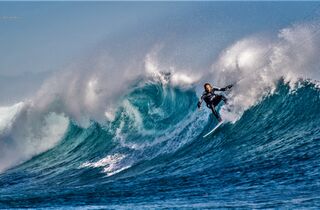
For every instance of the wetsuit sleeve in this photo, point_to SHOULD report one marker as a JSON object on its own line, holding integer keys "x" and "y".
{"x": 222, "y": 89}
{"x": 218, "y": 89}
{"x": 200, "y": 101}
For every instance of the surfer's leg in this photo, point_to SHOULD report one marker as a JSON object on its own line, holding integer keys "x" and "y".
{"x": 215, "y": 113}
{"x": 225, "y": 100}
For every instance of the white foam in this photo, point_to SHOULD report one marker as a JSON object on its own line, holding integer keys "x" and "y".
{"x": 111, "y": 164}
{"x": 8, "y": 115}
{"x": 25, "y": 133}
{"x": 256, "y": 65}
{"x": 169, "y": 74}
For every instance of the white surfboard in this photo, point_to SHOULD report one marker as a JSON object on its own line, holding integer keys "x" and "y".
{"x": 215, "y": 128}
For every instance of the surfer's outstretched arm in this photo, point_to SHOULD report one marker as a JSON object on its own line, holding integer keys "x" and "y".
{"x": 200, "y": 102}
{"x": 222, "y": 89}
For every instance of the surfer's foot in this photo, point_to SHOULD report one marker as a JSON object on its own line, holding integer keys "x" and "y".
{"x": 219, "y": 119}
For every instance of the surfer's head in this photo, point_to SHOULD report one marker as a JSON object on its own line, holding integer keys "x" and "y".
{"x": 207, "y": 87}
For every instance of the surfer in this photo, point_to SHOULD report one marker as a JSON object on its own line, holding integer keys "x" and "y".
{"x": 212, "y": 99}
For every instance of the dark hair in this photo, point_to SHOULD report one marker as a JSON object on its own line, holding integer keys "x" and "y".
{"x": 205, "y": 84}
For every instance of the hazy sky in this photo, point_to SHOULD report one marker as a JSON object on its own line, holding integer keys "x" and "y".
{"x": 45, "y": 36}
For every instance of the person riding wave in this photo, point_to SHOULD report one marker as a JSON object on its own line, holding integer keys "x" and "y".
{"x": 212, "y": 99}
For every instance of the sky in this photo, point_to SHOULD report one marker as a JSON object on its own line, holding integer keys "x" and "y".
{"x": 46, "y": 36}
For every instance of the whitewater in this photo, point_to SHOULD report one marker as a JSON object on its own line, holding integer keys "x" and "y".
{"x": 86, "y": 139}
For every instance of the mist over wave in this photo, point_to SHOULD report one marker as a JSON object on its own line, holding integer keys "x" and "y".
{"x": 256, "y": 64}
{"x": 25, "y": 132}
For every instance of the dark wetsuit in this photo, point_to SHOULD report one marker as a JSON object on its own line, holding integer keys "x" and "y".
{"x": 212, "y": 100}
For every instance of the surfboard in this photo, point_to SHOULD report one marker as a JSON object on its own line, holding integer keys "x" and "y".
{"x": 215, "y": 128}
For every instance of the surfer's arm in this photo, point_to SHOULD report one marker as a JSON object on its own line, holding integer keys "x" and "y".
{"x": 200, "y": 102}
{"x": 222, "y": 89}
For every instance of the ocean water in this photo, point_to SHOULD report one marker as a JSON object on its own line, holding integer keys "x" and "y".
{"x": 152, "y": 155}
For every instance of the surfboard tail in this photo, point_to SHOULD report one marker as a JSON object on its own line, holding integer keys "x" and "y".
{"x": 213, "y": 130}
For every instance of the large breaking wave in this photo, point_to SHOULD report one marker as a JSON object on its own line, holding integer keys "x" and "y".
{"x": 135, "y": 131}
